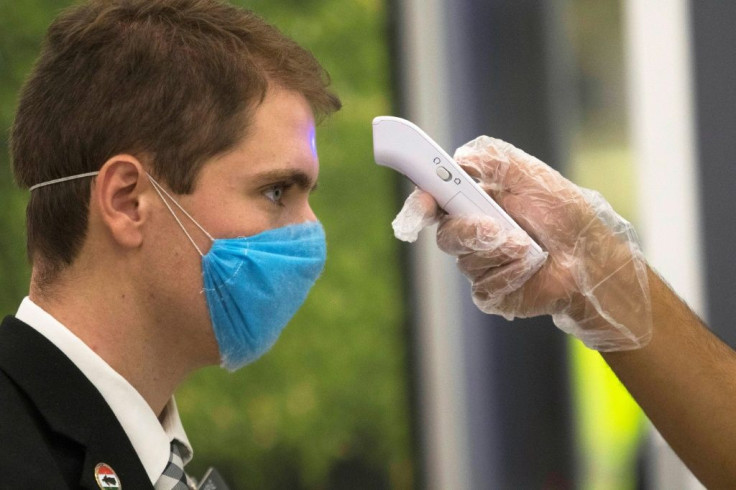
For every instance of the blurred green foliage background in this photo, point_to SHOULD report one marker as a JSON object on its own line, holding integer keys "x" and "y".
{"x": 329, "y": 406}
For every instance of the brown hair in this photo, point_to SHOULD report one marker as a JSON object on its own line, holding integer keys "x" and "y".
{"x": 174, "y": 82}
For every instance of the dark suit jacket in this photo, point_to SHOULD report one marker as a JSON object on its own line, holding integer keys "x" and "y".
{"x": 55, "y": 427}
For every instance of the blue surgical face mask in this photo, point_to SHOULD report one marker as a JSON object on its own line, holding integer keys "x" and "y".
{"x": 253, "y": 285}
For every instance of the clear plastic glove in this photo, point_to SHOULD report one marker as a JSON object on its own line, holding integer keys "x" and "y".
{"x": 594, "y": 281}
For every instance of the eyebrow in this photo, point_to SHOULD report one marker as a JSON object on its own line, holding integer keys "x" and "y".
{"x": 289, "y": 176}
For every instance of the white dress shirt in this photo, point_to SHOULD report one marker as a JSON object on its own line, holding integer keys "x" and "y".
{"x": 150, "y": 437}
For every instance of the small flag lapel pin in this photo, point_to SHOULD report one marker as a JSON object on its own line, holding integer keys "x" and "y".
{"x": 106, "y": 477}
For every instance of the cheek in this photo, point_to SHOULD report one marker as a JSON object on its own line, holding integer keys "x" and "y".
{"x": 230, "y": 214}
{"x": 170, "y": 265}
{"x": 173, "y": 271}
{"x": 173, "y": 282}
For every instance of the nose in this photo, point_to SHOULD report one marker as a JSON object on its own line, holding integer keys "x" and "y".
{"x": 309, "y": 213}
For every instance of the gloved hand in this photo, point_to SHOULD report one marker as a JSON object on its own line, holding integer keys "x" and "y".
{"x": 594, "y": 279}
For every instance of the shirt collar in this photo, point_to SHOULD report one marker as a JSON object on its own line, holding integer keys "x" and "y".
{"x": 151, "y": 438}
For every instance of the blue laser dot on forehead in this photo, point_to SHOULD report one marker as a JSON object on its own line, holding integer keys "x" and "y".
{"x": 313, "y": 141}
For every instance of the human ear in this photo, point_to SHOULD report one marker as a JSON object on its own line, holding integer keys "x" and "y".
{"x": 116, "y": 194}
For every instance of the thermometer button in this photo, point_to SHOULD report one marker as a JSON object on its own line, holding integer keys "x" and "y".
{"x": 443, "y": 173}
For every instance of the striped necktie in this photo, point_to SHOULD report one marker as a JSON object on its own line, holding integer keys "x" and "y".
{"x": 173, "y": 477}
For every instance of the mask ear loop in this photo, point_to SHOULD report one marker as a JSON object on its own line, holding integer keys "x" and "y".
{"x": 159, "y": 189}
{"x": 63, "y": 179}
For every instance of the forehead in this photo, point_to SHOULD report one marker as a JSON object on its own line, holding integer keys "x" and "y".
{"x": 280, "y": 136}
{"x": 282, "y": 125}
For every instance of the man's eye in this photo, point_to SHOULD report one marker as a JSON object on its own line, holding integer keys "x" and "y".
{"x": 275, "y": 193}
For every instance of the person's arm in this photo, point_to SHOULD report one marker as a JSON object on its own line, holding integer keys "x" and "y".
{"x": 685, "y": 381}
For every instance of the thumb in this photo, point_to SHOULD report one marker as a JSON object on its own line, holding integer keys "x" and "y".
{"x": 420, "y": 210}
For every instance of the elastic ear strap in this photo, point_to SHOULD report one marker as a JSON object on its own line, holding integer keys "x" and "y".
{"x": 63, "y": 179}
{"x": 159, "y": 189}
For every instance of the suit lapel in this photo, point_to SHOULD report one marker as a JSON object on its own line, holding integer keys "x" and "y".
{"x": 71, "y": 405}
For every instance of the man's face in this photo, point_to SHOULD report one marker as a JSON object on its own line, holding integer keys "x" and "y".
{"x": 266, "y": 180}
{"x": 263, "y": 183}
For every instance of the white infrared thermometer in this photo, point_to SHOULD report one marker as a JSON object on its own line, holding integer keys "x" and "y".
{"x": 401, "y": 145}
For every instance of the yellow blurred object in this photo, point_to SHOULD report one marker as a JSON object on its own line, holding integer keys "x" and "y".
{"x": 610, "y": 424}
